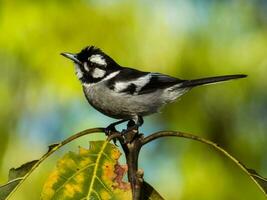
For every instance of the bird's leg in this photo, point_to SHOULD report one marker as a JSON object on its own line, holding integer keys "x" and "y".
{"x": 135, "y": 123}
{"x": 132, "y": 128}
{"x": 111, "y": 131}
{"x": 139, "y": 122}
{"x": 130, "y": 124}
{"x": 111, "y": 128}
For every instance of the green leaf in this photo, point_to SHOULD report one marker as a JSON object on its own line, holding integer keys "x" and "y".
{"x": 90, "y": 174}
{"x": 150, "y": 193}
{"x": 260, "y": 181}
{"x": 16, "y": 175}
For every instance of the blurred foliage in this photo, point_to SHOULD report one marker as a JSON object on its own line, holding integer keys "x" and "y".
{"x": 41, "y": 100}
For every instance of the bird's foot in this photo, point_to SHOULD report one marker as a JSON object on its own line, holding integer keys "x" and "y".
{"x": 126, "y": 135}
{"x": 112, "y": 133}
{"x": 110, "y": 129}
{"x": 114, "y": 137}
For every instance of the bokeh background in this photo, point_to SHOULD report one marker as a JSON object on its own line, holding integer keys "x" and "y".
{"x": 41, "y": 101}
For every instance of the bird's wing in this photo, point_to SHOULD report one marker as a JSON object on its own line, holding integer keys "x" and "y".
{"x": 159, "y": 81}
{"x": 134, "y": 82}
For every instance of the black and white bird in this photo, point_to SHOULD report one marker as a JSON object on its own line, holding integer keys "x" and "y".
{"x": 125, "y": 93}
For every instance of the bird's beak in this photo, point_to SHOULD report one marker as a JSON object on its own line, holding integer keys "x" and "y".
{"x": 72, "y": 57}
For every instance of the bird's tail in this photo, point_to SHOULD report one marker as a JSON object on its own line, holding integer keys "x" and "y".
{"x": 210, "y": 80}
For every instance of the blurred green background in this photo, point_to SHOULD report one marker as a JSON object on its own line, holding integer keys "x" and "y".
{"x": 42, "y": 101}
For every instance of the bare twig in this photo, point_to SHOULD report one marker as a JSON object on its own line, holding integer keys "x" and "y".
{"x": 251, "y": 173}
{"x": 131, "y": 142}
{"x": 169, "y": 133}
{"x": 53, "y": 148}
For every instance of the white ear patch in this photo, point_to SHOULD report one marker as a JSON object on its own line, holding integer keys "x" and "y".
{"x": 78, "y": 71}
{"x": 98, "y": 59}
{"x": 98, "y": 73}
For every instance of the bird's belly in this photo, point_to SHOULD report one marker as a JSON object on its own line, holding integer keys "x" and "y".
{"x": 119, "y": 105}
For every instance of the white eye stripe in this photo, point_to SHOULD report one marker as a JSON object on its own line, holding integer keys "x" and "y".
{"x": 98, "y": 59}
{"x": 98, "y": 73}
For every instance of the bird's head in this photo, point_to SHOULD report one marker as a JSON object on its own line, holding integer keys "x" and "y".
{"x": 91, "y": 64}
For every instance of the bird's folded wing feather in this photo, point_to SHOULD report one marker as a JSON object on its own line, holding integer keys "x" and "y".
{"x": 134, "y": 82}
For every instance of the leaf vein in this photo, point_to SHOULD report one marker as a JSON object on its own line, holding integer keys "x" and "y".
{"x": 104, "y": 185}
{"x": 97, "y": 195}
{"x": 95, "y": 168}
{"x": 77, "y": 172}
{"x": 107, "y": 156}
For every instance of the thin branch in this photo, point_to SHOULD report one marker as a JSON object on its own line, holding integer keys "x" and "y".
{"x": 53, "y": 148}
{"x": 131, "y": 144}
{"x": 252, "y": 174}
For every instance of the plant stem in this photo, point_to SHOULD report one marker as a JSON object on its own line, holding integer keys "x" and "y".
{"x": 131, "y": 145}
{"x": 52, "y": 149}
{"x": 259, "y": 180}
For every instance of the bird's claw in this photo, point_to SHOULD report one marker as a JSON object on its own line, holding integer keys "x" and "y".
{"x": 126, "y": 135}
{"x": 110, "y": 130}
{"x": 112, "y": 133}
{"x": 114, "y": 137}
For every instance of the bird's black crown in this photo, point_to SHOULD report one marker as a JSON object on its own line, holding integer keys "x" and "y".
{"x": 88, "y": 51}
